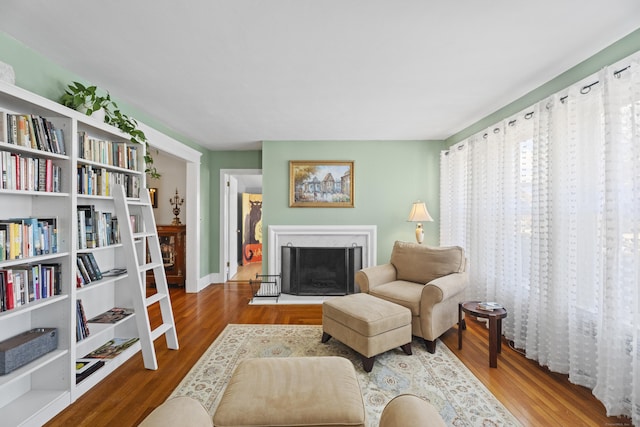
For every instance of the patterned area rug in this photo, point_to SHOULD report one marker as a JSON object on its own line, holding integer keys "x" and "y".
{"x": 439, "y": 378}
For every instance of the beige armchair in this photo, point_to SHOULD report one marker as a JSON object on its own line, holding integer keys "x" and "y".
{"x": 430, "y": 281}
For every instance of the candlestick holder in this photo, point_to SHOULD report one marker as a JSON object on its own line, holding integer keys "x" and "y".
{"x": 176, "y": 201}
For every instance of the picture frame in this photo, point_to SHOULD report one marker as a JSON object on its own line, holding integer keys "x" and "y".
{"x": 321, "y": 184}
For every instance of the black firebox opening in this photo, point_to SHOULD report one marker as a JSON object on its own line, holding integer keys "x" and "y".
{"x": 320, "y": 270}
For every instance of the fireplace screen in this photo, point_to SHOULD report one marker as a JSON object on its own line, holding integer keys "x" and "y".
{"x": 320, "y": 271}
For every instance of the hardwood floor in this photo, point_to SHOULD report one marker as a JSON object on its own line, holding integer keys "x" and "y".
{"x": 534, "y": 395}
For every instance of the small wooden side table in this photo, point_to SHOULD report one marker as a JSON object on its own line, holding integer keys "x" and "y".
{"x": 495, "y": 327}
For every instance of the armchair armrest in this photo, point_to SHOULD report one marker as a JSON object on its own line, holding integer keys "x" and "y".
{"x": 445, "y": 287}
{"x": 439, "y": 304}
{"x": 369, "y": 278}
{"x": 442, "y": 289}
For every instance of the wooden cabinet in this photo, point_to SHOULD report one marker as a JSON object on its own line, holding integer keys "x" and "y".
{"x": 172, "y": 245}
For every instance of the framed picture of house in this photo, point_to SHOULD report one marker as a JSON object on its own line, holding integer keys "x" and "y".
{"x": 321, "y": 184}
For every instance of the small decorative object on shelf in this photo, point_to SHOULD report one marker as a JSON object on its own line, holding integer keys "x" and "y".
{"x": 176, "y": 202}
{"x": 7, "y": 74}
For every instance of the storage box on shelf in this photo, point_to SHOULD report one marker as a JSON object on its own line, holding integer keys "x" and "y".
{"x": 41, "y": 163}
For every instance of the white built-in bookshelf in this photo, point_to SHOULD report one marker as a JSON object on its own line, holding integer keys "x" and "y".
{"x": 54, "y": 184}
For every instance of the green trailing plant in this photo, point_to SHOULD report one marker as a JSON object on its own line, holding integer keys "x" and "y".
{"x": 86, "y": 99}
{"x": 129, "y": 126}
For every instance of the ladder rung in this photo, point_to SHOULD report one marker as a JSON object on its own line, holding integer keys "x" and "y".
{"x": 150, "y": 266}
{"x": 136, "y": 202}
{"x": 160, "y": 330}
{"x": 155, "y": 298}
{"x": 143, "y": 234}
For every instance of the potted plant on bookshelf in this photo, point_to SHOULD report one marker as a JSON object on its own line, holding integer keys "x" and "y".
{"x": 87, "y": 100}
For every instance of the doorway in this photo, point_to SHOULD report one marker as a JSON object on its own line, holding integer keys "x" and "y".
{"x": 235, "y": 182}
{"x": 189, "y": 159}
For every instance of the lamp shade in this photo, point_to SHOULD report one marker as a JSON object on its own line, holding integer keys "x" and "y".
{"x": 419, "y": 213}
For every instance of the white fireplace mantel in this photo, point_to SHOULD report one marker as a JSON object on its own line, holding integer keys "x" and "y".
{"x": 321, "y": 236}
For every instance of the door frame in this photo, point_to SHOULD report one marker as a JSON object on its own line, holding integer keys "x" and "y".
{"x": 224, "y": 215}
{"x": 160, "y": 141}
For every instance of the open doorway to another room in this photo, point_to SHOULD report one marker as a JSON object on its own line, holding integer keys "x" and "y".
{"x": 175, "y": 207}
{"x": 241, "y": 207}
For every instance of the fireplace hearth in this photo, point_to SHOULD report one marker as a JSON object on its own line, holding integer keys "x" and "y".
{"x": 314, "y": 271}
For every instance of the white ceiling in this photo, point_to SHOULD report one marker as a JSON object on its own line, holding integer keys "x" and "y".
{"x": 228, "y": 74}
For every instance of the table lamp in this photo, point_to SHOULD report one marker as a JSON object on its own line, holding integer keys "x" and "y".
{"x": 419, "y": 213}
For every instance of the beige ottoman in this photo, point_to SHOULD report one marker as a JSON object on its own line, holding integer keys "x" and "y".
{"x": 292, "y": 391}
{"x": 367, "y": 324}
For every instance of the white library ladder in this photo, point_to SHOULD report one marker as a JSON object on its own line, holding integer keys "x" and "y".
{"x": 137, "y": 226}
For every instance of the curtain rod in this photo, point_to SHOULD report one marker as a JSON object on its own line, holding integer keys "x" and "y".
{"x": 584, "y": 90}
{"x": 587, "y": 88}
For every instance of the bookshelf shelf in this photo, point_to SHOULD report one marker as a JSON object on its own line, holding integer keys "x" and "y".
{"x": 31, "y": 306}
{"x": 4, "y": 146}
{"x": 108, "y": 166}
{"x": 32, "y": 193}
{"x": 21, "y": 411}
{"x": 109, "y": 366}
{"x": 100, "y": 283}
{"x": 100, "y": 333}
{"x": 100, "y": 248}
{"x": 36, "y": 392}
{"x": 33, "y": 260}
{"x": 31, "y": 367}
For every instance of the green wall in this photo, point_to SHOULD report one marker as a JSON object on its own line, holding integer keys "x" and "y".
{"x": 388, "y": 177}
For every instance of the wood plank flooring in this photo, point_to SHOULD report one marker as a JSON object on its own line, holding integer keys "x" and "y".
{"x": 534, "y": 395}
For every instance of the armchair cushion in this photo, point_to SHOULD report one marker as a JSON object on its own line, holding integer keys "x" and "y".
{"x": 401, "y": 292}
{"x": 422, "y": 264}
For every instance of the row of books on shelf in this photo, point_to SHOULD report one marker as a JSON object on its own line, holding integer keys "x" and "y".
{"x": 22, "y": 284}
{"x": 32, "y": 131}
{"x": 113, "y": 315}
{"x": 96, "y": 228}
{"x": 111, "y": 153}
{"x": 20, "y": 172}
{"x": 28, "y": 237}
{"x": 82, "y": 326}
{"x": 96, "y": 181}
{"x": 96, "y": 359}
{"x": 88, "y": 270}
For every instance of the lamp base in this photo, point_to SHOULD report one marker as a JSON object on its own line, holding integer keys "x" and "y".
{"x": 419, "y": 233}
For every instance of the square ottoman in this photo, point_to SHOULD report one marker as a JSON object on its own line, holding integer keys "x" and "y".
{"x": 367, "y": 324}
{"x": 292, "y": 391}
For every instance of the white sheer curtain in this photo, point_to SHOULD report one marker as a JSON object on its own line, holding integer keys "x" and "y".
{"x": 547, "y": 206}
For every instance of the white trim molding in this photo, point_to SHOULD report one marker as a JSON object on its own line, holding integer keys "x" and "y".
{"x": 321, "y": 236}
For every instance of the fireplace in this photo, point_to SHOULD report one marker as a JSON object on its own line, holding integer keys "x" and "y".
{"x": 320, "y": 236}
{"x": 320, "y": 270}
